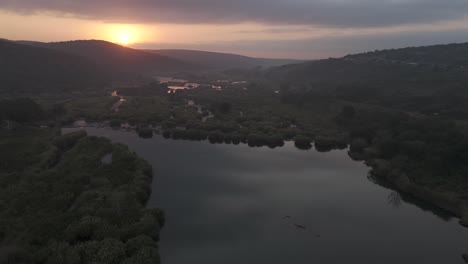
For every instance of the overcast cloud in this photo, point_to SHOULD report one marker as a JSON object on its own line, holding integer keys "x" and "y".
{"x": 335, "y": 13}
{"x": 328, "y": 46}
{"x": 263, "y": 28}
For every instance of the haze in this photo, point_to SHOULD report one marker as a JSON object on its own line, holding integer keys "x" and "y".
{"x": 278, "y": 28}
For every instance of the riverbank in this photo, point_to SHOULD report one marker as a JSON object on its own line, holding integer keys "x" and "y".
{"x": 429, "y": 150}
{"x": 254, "y": 189}
{"x": 423, "y": 157}
{"x": 444, "y": 199}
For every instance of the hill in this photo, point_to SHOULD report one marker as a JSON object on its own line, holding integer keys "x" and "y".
{"x": 118, "y": 59}
{"x": 220, "y": 61}
{"x": 430, "y": 80}
{"x": 25, "y": 68}
{"x": 451, "y": 55}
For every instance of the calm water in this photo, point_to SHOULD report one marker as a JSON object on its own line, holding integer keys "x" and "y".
{"x": 230, "y": 204}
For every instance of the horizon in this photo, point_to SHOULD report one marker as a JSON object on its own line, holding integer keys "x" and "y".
{"x": 230, "y": 53}
{"x": 280, "y": 29}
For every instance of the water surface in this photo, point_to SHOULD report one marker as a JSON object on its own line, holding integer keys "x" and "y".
{"x": 234, "y": 204}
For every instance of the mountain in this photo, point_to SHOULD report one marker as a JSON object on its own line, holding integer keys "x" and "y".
{"x": 442, "y": 55}
{"x": 409, "y": 66}
{"x": 25, "y": 68}
{"x": 428, "y": 79}
{"x": 118, "y": 59}
{"x": 220, "y": 61}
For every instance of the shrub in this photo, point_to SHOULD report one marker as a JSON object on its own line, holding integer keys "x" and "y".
{"x": 115, "y": 123}
{"x": 67, "y": 141}
{"x": 358, "y": 145}
{"x": 275, "y": 141}
{"x": 216, "y": 137}
{"x": 145, "y": 132}
{"x": 303, "y": 142}
{"x": 255, "y": 140}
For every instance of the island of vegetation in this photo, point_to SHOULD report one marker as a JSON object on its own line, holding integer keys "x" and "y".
{"x": 72, "y": 198}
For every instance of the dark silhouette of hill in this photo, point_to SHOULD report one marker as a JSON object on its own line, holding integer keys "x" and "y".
{"x": 428, "y": 79}
{"x": 118, "y": 59}
{"x": 25, "y": 68}
{"x": 450, "y": 55}
{"x": 388, "y": 65}
{"x": 220, "y": 61}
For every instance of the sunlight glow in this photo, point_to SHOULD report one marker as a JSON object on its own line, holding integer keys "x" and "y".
{"x": 125, "y": 38}
{"x": 125, "y": 34}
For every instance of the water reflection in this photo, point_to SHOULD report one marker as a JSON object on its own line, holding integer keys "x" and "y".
{"x": 394, "y": 199}
{"x": 408, "y": 199}
{"x": 465, "y": 257}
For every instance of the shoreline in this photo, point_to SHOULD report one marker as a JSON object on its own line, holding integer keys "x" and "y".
{"x": 444, "y": 200}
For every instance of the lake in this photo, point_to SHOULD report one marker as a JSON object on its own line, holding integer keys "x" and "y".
{"x": 235, "y": 204}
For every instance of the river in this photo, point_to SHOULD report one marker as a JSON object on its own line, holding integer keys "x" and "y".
{"x": 229, "y": 204}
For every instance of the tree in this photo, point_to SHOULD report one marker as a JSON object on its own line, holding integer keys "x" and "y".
{"x": 275, "y": 141}
{"x": 303, "y": 142}
{"x": 224, "y": 107}
{"x": 348, "y": 112}
{"x": 115, "y": 123}
{"x": 22, "y": 110}
{"x": 216, "y": 137}
{"x": 67, "y": 141}
{"x": 145, "y": 132}
{"x": 111, "y": 251}
{"x": 133, "y": 245}
{"x": 257, "y": 140}
{"x": 358, "y": 145}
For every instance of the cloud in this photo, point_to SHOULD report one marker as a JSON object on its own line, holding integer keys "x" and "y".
{"x": 281, "y": 30}
{"x": 335, "y": 13}
{"x": 333, "y": 46}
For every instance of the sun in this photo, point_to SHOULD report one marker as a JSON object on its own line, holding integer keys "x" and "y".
{"x": 124, "y": 38}
{"x": 123, "y": 34}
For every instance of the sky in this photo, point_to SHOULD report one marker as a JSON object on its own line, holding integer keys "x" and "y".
{"x": 301, "y": 29}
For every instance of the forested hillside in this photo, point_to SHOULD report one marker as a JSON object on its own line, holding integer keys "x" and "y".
{"x": 38, "y": 70}
{"x": 119, "y": 59}
{"x": 428, "y": 80}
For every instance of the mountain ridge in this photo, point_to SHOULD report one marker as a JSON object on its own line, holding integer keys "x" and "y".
{"x": 117, "y": 58}
{"x": 221, "y": 60}
{"x": 36, "y": 69}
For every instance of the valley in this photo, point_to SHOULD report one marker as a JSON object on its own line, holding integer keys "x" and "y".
{"x": 387, "y": 124}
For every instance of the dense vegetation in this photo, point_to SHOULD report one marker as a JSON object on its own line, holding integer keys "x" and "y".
{"x": 425, "y": 80}
{"x": 423, "y": 157}
{"x": 118, "y": 59}
{"x": 20, "y": 110}
{"x": 74, "y": 199}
